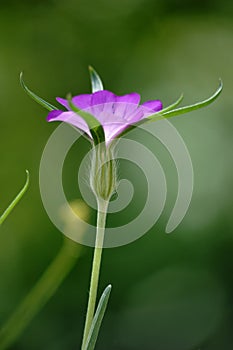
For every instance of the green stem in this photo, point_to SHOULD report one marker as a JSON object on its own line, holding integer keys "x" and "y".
{"x": 40, "y": 293}
{"x": 101, "y": 219}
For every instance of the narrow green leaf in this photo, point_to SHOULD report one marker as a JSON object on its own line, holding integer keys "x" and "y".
{"x": 16, "y": 200}
{"x": 97, "y": 320}
{"x": 36, "y": 98}
{"x": 186, "y": 109}
{"x": 96, "y": 82}
{"x": 94, "y": 125}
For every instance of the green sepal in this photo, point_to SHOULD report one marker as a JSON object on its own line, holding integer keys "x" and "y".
{"x": 173, "y": 105}
{"x": 96, "y": 82}
{"x": 185, "y": 109}
{"x": 97, "y": 320}
{"x": 36, "y": 98}
{"x": 94, "y": 125}
{"x": 16, "y": 200}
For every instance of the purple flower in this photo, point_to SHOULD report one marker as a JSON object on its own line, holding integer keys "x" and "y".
{"x": 114, "y": 113}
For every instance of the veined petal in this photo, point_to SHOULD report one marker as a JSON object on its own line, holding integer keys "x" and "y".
{"x": 95, "y": 127}
{"x": 102, "y": 101}
{"x": 136, "y": 115}
{"x": 126, "y": 104}
{"x": 113, "y": 129}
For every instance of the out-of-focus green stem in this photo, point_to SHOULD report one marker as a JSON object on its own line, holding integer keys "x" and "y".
{"x": 101, "y": 219}
{"x": 40, "y": 293}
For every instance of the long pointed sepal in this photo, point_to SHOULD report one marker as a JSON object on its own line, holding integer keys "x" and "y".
{"x": 36, "y": 98}
{"x": 186, "y": 109}
{"x": 96, "y": 82}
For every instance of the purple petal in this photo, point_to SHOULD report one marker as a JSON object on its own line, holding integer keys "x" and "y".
{"x": 70, "y": 118}
{"x": 102, "y": 96}
{"x": 82, "y": 101}
{"x": 115, "y": 113}
{"x": 102, "y": 101}
{"x": 63, "y": 102}
{"x": 111, "y": 130}
{"x": 126, "y": 104}
{"x": 129, "y": 98}
{"x": 53, "y": 115}
{"x": 136, "y": 115}
{"x": 153, "y": 105}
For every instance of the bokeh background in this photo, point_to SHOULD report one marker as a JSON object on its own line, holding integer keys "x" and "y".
{"x": 170, "y": 292}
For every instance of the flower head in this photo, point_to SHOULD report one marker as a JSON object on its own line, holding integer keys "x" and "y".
{"x": 103, "y": 116}
{"x": 114, "y": 113}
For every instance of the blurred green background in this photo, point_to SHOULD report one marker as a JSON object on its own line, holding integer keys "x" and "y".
{"x": 170, "y": 292}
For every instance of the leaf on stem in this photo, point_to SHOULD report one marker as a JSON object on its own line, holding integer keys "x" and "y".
{"x": 97, "y": 320}
{"x": 16, "y": 200}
